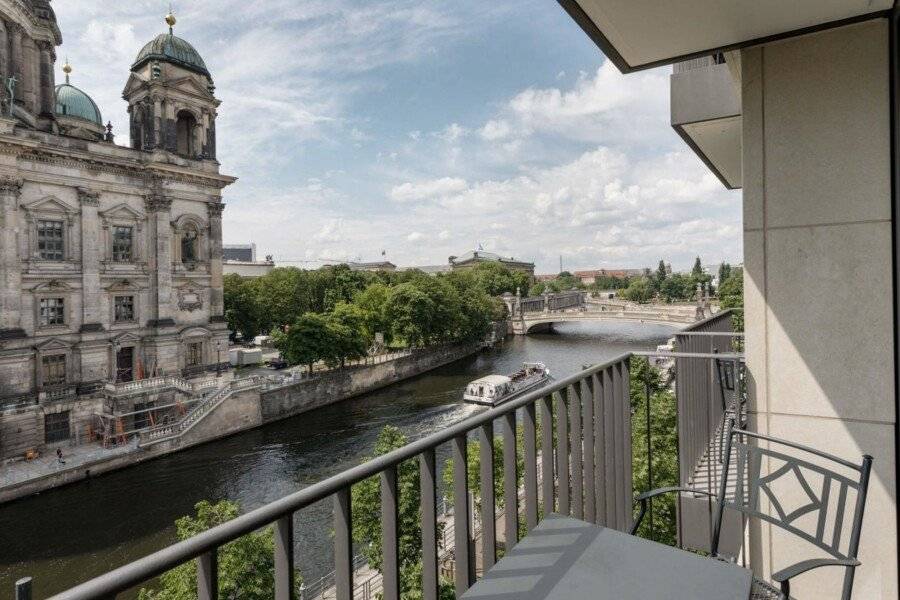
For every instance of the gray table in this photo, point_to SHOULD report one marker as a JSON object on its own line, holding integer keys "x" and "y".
{"x": 567, "y": 559}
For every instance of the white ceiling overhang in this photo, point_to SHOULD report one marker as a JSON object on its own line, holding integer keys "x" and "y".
{"x": 639, "y": 34}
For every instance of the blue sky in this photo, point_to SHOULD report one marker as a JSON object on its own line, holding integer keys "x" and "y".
{"x": 423, "y": 128}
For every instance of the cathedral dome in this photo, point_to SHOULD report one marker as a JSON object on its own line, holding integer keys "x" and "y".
{"x": 170, "y": 48}
{"x": 72, "y": 102}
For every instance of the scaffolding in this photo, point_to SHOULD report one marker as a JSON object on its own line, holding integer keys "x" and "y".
{"x": 118, "y": 429}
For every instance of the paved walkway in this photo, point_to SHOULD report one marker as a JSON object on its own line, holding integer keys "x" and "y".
{"x": 75, "y": 457}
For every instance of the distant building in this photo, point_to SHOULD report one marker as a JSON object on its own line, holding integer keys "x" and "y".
{"x": 240, "y": 259}
{"x": 372, "y": 267}
{"x": 239, "y": 252}
{"x": 545, "y": 278}
{"x": 471, "y": 259}
{"x": 429, "y": 269}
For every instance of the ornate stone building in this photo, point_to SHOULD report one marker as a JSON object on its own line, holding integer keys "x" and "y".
{"x": 110, "y": 256}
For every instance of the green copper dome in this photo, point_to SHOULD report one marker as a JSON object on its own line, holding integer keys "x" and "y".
{"x": 72, "y": 102}
{"x": 171, "y": 48}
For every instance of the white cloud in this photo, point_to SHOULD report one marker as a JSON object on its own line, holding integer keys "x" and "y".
{"x": 495, "y": 130}
{"x": 428, "y": 190}
{"x": 452, "y": 133}
{"x": 415, "y": 236}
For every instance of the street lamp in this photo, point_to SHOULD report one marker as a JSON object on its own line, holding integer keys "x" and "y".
{"x": 218, "y": 358}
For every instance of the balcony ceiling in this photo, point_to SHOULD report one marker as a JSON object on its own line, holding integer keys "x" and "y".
{"x": 638, "y": 34}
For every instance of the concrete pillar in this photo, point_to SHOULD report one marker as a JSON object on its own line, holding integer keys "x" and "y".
{"x": 160, "y": 261}
{"x": 92, "y": 249}
{"x": 216, "y": 301}
{"x": 10, "y": 261}
{"x": 818, "y": 282}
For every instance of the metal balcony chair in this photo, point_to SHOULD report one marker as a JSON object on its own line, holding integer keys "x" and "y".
{"x": 820, "y": 521}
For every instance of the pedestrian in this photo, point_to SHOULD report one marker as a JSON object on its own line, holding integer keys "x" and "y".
{"x": 59, "y": 457}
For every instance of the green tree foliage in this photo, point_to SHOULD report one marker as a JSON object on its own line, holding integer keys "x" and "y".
{"x": 246, "y": 565}
{"x": 306, "y": 341}
{"x": 677, "y": 287}
{"x": 639, "y": 290}
{"x": 537, "y": 288}
{"x": 664, "y": 439}
{"x": 366, "y": 515}
{"x": 242, "y": 311}
{"x": 372, "y": 301}
{"x": 697, "y": 271}
{"x": 494, "y": 279}
{"x": 724, "y": 272}
{"x": 731, "y": 295}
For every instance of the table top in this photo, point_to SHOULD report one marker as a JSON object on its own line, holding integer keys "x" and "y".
{"x": 568, "y": 559}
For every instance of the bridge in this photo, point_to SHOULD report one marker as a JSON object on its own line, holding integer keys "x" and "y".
{"x": 539, "y": 313}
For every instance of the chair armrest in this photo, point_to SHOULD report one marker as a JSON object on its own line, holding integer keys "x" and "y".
{"x": 643, "y": 498}
{"x": 808, "y": 565}
{"x": 669, "y": 490}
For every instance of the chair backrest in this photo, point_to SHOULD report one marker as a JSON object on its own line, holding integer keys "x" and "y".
{"x": 759, "y": 468}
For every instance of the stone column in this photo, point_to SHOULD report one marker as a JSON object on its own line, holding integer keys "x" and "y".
{"x": 156, "y": 121}
{"x": 47, "y": 79}
{"x": 4, "y": 56}
{"x": 10, "y": 263}
{"x": 17, "y": 61}
{"x": 216, "y": 294}
{"x": 29, "y": 64}
{"x": 91, "y": 250}
{"x": 160, "y": 260}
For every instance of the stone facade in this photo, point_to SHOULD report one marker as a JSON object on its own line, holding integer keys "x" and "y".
{"x": 110, "y": 256}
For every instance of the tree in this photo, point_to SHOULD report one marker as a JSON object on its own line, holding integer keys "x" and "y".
{"x": 366, "y": 515}
{"x": 246, "y": 565}
{"x": 731, "y": 295}
{"x": 306, "y": 341}
{"x": 639, "y": 290}
{"x": 372, "y": 301}
{"x": 724, "y": 272}
{"x": 410, "y": 311}
{"x": 664, "y": 440}
{"x": 241, "y": 309}
{"x": 345, "y": 337}
{"x": 677, "y": 287}
{"x": 661, "y": 272}
{"x": 537, "y": 288}
{"x": 697, "y": 271}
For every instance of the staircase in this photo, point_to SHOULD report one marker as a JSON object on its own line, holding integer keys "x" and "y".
{"x": 197, "y": 413}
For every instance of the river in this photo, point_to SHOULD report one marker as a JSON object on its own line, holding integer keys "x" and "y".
{"x": 65, "y": 536}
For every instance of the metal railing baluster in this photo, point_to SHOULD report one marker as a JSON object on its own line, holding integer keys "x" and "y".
{"x": 562, "y": 451}
{"x": 510, "y": 481}
{"x": 575, "y": 448}
{"x": 599, "y": 473}
{"x": 389, "y": 534}
{"x": 463, "y": 571}
{"x": 208, "y": 575}
{"x": 587, "y": 422}
{"x": 488, "y": 505}
{"x": 427, "y": 483}
{"x": 343, "y": 545}
{"x": 284, "y": 558}
{"x": 530, "y": 446}
{"x": 547, "y": 453}
{"x": 609, "y": 441}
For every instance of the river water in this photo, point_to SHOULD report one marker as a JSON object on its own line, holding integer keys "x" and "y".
{"x": 68, "y": 535}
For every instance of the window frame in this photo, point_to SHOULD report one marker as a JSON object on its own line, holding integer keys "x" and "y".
{"x": 133, "y": 301}
{"x": 60, "y": 240}
{"x": 55, "y": 360}
{"x": 116, "y": 253}
{"x": 193, "y": 350}
{"x": 62, "y": 311}
{"x": 64, "y": 416}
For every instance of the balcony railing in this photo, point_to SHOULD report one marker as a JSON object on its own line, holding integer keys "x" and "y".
{"x": 577, "y": 438}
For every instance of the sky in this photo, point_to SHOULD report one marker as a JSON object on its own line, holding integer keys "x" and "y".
{"x": 424, "y": 129}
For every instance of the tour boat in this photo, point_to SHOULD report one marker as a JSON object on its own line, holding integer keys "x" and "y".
{"x": 496, "y": 389}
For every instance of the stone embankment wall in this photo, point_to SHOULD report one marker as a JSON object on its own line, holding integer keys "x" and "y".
{"x": 339, "y": 385}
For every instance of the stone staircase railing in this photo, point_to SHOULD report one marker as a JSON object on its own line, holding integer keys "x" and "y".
{"x": 197, "y": 412}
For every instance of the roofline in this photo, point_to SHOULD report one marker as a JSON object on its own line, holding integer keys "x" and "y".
{"x": 593, "y": 31}
{"x": 178, "y": 63}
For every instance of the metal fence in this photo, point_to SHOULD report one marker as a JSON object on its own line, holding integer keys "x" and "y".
{"x": 585, "y": 419}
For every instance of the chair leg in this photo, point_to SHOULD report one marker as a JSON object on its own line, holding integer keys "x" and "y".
{"x": 786, "y": 589}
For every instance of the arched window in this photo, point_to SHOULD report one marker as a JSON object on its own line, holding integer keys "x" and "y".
{"x": 189, "y": 241}
{"x": 184, "y": 129}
